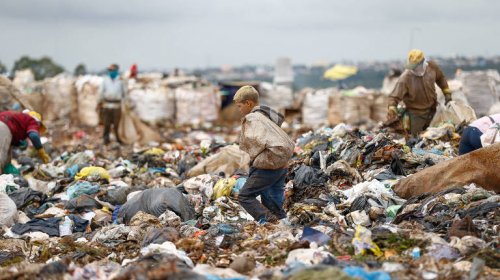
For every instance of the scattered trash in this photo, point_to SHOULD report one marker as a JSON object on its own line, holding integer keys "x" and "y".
{"x": 361, "y": 203}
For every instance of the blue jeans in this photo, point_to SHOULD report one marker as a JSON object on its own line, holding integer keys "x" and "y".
{"x": 270, "y": 185}
{"x": 470, "y": 141}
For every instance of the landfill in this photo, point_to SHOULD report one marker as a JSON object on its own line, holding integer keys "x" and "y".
{"x": 359, "y": 196}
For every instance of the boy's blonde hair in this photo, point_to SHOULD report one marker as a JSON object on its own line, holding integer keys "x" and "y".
{"x": 246, "y": 93}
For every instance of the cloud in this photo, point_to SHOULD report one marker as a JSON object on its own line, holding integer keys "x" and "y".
{"x": 192, "y": 33}
{"x": 86, "y": 12}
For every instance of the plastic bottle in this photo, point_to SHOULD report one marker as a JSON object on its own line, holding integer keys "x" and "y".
{"x": 66, "y": 227}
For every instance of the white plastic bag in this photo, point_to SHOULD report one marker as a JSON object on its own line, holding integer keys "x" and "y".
{"x": 454, "y": 113}
{"x": 7, "y": 182}
{"x": 491, "y": 135}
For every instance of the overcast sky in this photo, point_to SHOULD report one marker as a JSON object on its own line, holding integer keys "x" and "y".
{"x": 198, "y": 33}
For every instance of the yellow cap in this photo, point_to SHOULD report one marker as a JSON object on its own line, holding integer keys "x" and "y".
{"x": 415, "y": 57}
{"x": 38, "y": 118}
{"x": 246, "y": 93}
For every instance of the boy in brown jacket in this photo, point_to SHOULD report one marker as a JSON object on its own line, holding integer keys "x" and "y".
{"x": 270, "y": 149}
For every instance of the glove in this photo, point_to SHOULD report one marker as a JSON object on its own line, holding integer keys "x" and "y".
{"x": 392, "y": 114}
{"x": 43, "y": 155}
{"x": 447, "y": 98}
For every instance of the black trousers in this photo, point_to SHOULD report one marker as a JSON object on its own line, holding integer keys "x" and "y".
{"x": 111, "y": 117}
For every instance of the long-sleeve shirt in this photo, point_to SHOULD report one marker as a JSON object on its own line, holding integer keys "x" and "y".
{"x": 112, "y": 92}
{"x": 419, "y": 93}
{"x": 22, "y": 126}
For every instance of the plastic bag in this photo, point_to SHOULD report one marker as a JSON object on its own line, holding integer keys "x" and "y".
{"x": 316, "y": 236}
{"x": 81, "y": 187}
{"x": 155, "y": 152}
{"x": 131, "y": 129}
{"x": 308, "y": 256}
{"x": 391, "y": 211}
{"x": 363, "y": 240}
{"x": 454, "y": 113}
{"x": 238, "y": 186}
{"x": 361, "y": 273}
{"x": 93, "y": 173}
{"x": 127, "y": 132}
{"x": 491, "y": 135}
{"x": 7, "y": 183}
{"x": 168, "y": 248}
{"x": 10, "y": 169}
{"x": 223, "y": 187}
{"x": 227, "y": 160}
{"x": 80, "y": 158}
{"x": 306, "y": 176}
{"x": 202, "y": 184}
{"x": 116, "y": 196}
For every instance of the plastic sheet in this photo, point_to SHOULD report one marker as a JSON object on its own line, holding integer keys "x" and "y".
{"x": 156, "y": 202}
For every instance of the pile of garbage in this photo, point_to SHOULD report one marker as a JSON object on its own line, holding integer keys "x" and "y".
{"x": 171, "y": 211}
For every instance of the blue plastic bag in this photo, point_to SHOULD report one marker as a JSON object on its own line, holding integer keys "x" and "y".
{"x": 359, "y": 272}
{"x": 72, "y": 170}
{"x": 81, "y": 187}
{"x": 226, "y": 229}
{"x": 239, "y": 184}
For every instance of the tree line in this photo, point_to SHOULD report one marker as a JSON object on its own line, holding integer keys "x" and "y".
{"x": 42, "y": 68}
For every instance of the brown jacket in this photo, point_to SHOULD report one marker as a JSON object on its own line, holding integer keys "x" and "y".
{"x": 419, "y": 93}
{"x": 267, "y": 144}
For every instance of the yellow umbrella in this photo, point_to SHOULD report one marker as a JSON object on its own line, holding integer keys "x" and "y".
{"x": 340, "y": 72}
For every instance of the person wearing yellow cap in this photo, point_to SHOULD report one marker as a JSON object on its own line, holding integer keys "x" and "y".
{"x": 416, "y": 89}
{"x": 15, "y": 128}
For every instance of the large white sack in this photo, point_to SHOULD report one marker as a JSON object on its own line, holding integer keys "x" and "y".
{"x": 59, "y": 97}
{"x": 8, "y": 211}
{"x": 276, "y": 97}
{"x": 495, "y": 109}
{"x": 153, "y": 105}
{"x": 196, "y": 106}
{"x": 315, "y": 108}
{"x": 88, "y": 97}
{"x": 480, "y": 88}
